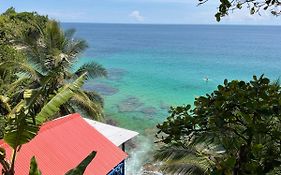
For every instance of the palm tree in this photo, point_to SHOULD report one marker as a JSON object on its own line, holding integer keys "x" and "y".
{"x": 9, "y": 80}
{"x": 22, "y": 125}
{"x": 51, "y": 58}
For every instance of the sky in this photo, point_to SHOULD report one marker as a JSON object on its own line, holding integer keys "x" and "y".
{"x": 137, "y": 11}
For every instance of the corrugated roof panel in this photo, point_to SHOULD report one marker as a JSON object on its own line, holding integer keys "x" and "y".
{"x": 63, "y": 143}
{"x": 115, "y": 134}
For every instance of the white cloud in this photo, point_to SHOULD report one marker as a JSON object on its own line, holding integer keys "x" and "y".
{"x": 136, "y": 15}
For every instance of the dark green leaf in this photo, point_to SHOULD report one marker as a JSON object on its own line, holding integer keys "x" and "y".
{"x": 79, "y": 170}
{"x": 34, "y": 170}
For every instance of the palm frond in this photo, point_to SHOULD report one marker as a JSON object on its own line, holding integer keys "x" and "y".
{"x": 16, "y": 84}
{"x": 95, "y": 97}
{"x": 53, "y": 36}
{"x": 93, "y": 69}
{"x": 33, "y": 46}
{"x": 64, "y": 94}
{"x": 69, "y": 33}
{"x": 65, "y": 109}
{"x": 85, "y": 104}
{"x": 73, "y": 47}
{"x": 21, "y": 67}
{"x": 37, "y": 58}
{"x": 179, "y": 159}
{"x": 189, "y": 166}
{"x": 174, "y": 152}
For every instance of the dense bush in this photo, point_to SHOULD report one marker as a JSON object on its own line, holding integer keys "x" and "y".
{"x": 243, "y": 118}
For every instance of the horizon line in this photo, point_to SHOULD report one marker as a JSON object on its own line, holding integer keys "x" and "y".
{"x": 213, "y": 24}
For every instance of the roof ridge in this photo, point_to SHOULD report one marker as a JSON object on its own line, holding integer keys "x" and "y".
{"x": 58, "y": 121}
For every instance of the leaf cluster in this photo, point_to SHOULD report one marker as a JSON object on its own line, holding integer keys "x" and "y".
{"x": 13, "y": 25}
{"x": 242, "y": 117}
{"x": 22, "y": 124}
{"x": 39, "y": 54}
{"x": 254, "y": 6}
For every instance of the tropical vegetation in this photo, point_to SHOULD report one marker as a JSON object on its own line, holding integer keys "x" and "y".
{"x": 254, "y": 6}
{"x": 234, "y": 130}
{"x": 51, "y": 58}
{"x": 22, "y": 125}
{"x": 35, "y": 53}
{"x": 38, "y": 81}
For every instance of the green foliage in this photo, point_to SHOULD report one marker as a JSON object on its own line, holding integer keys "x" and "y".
{"x": 275, "y": 171}
{"x": 241, "y": 117}
{"x": 93, "y": 69}
{"x": 21, "y": 123}
{"x": 8, "y": 53}
{"x": 34, "y": 170}
{"x": 39, "y": 54}
{"x": 254, "y": 6}
{"x": 13, "y": 25}
{"x": 21, "y": 126}
{"x": 54, "y": 54}
{"x": 36, "y": 66}
{"x": 19, "y": 129}
{"x": 8, "y": 75}
{"x": 181, "y": 159}
{"x": 64, "y": 94}
{"x": 80, "y": 169}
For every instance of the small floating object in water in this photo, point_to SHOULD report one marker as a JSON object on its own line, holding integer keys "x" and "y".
{"x": 206, "y": 79}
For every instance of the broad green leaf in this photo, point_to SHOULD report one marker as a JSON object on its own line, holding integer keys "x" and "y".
{"x": 34, "y": 170}
{"x": 80, "y": 169}
{"x": 20, "y": 129}
{"x": 60, "y": 98}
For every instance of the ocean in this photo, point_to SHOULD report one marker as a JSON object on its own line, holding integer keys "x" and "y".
{"x": 152, "y": 67}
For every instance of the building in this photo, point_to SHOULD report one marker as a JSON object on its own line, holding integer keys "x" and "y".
{"x": 63, "y": 143}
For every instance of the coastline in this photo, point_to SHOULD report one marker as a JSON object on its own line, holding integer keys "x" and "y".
{"x": 152, "y": 68}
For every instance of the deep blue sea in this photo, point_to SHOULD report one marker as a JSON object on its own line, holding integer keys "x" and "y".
{"x": 152, "y": 67}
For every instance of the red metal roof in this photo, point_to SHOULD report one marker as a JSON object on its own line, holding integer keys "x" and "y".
{"x": 63, "y": 143}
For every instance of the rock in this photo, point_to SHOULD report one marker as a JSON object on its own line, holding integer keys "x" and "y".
{"x": 115, "y": 74}
{"x": 112, "y": 122}
{"x": 148, "y": 110}
{"x": 130, "y": 104}
{"x": 151, "y": 132}
{"x": 151, "y": 169}
{"x": 102, "y": 89}
{"x": 164, "y": 106}
{"x": 131, "y": 144}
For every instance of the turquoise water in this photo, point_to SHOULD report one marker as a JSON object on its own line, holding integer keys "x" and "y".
{"x": 152, "y": 67}
{"x": 164, "y": 65}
